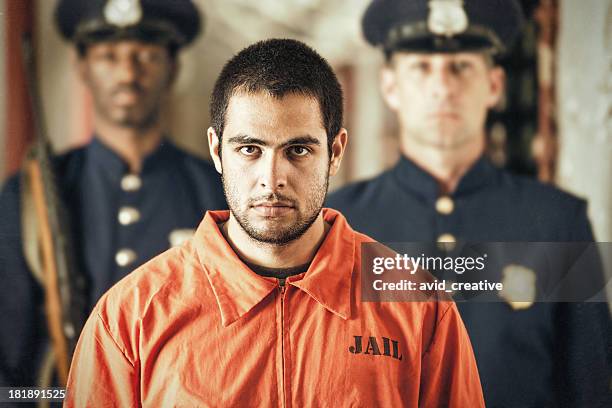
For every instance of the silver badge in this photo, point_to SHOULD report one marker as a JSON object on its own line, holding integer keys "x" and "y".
{"x": 519, "y": 286}
{"x": 179, "y": 236}
{"x": 123, "y": 13}
{"x": 447, "y": 17}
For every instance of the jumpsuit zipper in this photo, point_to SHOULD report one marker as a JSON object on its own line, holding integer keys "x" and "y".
{"x": 282, "y": 288}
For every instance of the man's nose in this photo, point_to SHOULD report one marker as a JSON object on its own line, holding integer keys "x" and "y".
{"x": 443, "y": 83}
{"x": 127, "y": 69}
{"x": 272, "y": 171}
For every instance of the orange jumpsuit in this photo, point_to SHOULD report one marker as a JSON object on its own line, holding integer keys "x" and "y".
{"x": 195, "y": 327}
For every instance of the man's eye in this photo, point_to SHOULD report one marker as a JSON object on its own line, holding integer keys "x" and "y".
{"x": 149, "y": 57}
{"x": 106, "y": 56}
{"x": 420, "y": 66}
{"x": 249, "y": 150}
{"x": 461, "y": 66}
{"x": 299, "y": 151}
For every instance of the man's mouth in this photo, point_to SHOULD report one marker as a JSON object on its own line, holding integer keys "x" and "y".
{"x": 126, "y": 97}
{"x": 127, "y": 94}
{"x": 273, "y": 209}
{"x": 444, "y": 114}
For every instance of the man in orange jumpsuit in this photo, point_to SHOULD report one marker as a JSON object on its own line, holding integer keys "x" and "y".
{"x": 262, "y": 307}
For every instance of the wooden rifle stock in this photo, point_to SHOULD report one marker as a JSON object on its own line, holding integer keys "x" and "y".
{"x": 65, "y": 295}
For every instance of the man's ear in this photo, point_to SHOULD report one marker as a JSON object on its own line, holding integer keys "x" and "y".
{"x": 175, "y": 68}
{"x": 338, "y": 148}
{"x": 214, "y": 146}
{"x": 497, "y": 85}
{"x": 80, "y": 64}
{"x": 388, "y": 87}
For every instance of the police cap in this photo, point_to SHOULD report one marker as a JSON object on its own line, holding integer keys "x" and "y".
{"x": 443, "y": 25}
{"x": 171, "y": 22}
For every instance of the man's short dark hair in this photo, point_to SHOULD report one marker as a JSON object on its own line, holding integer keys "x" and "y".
{"x": 279, "y": 67}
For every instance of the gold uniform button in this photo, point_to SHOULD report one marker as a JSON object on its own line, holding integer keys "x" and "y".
{"x": 445, "y": 205}
{"x": 131, "y": 182}
{"x": 447, "y": 238}
{"x": 447, "y": 242}
{"x": 128, "y": 215}
{"x": 125, "y": 256}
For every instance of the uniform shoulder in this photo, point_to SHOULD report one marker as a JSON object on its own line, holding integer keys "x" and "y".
{"x": 201, "y": 177}
{"x": 543, "y": 212}
{"x": 61, "y": 162}
{"x": 357, "y": 192}
{"x": 361, "y": 238}
{"x": 10, "y": 218}
{"x": 70, "y": 162}
{"x": 11, "y": 184}
{"x": 191, "y": 160}
{"x": 541, "y": 194}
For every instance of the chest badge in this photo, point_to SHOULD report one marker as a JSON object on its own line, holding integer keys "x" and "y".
{"x": 179, "y": 236}
{"x": 390, "y": 348}
{"x": 519, "y": 288}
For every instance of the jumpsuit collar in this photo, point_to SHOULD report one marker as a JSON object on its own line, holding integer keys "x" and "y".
{"x": 238, "y": 289}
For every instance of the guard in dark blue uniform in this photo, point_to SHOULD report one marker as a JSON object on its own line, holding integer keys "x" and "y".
{"x": 440, "y": 79}
{"x": 130, "y": 193}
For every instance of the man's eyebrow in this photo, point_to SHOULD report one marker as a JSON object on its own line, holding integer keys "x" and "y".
{"x": 245, "y": 139}
{"x": 302, "y": 140}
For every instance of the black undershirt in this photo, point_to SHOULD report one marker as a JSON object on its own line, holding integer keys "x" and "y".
{"x": 279, "y": 273}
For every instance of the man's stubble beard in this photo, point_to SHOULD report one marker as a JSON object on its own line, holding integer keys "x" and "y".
{"x": 289, "y": 234}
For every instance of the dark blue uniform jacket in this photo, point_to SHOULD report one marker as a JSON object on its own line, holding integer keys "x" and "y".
{"x": 173, "y": 192}
{"x": 550, "y": 354}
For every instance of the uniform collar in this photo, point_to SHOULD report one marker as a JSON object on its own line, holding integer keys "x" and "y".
{"x": 100, "y": 155}
{"x": 481, "y": 174}
{"x": 413, "y": 178}
{"x": 238, "y": 289}
{"x": 115, "y": 167}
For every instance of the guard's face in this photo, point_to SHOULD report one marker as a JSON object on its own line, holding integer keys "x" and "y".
{"x": 128, "y": 80}
{"x": 275, "y": 164}
{"x": 441, "y": 100}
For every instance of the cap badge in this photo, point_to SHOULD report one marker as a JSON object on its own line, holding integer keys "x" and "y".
{"x": 123, "y": 13}
{"x": 519, "y": 286}
{"x": 447, "y": 17}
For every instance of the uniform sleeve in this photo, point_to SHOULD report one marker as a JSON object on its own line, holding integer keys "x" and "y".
{"x": 23, "y": 338}
{"x": 582, "y": 366}
{"x": 101, "y": 374}
{"x": 581, "y": 262}
{"x": 584, "y": 331}
{"x": 581, "y": 229}
{"x": 449, "y": 376}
